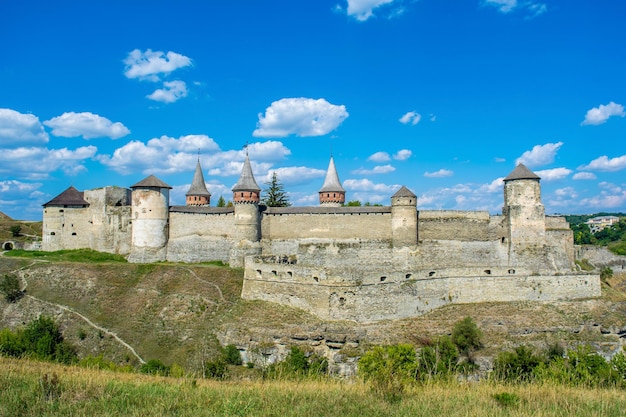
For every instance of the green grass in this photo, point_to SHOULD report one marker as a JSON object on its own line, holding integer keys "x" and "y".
{"x": 42, "y": 389}
{"x": 78, "y": 255}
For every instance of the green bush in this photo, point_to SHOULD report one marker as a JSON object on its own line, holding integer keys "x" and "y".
{"x": 15, "y": 230}
{"x": 606, "y": 273}
{"x": 10, "y": 287}
{"x": 298, "y": 363}
{"x": 388, "y": 369}
{"x": 155, "y": 367}
{"x": 216, "y": 369}
{"x": 506, "y": 399}
{"x": 97, "y": 362}
{"x": 439, "y": 360}
{"x": 231, "y": 355}
{"x": 467, "y": 336}
{"x": 516, "y": 366}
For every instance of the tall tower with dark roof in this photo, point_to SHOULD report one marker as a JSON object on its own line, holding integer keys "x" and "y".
{"x": 332, "y": 193}
{"x": 246, "y": 197}
{"x": 404, "y": 218}
{"x": 523, "y": 211}
{"x": 150, "y": 217}
{"x": 198, "y": 195}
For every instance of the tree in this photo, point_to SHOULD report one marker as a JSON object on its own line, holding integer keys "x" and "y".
{"x": 275, "y": 195}
{"x": 10, "y": 287}
{"x": 467, "y": 336}
{"x": 15, "y": 230}
{"x": 353, "y": 203}
{"x": 221, "y": 202}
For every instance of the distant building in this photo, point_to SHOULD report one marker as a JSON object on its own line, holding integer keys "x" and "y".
{"x": 599, "y": 223}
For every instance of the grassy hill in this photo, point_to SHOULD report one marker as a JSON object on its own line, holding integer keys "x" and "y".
{"x": 181, "y": 313}
{"x": 29, "y": 231}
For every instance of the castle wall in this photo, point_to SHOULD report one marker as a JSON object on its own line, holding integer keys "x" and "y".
{"x": 326, "y": 223}
{"x": 66, "y": 228}
{"x": 201, "y": 234}
{"x": 456, "y": 225}
{"x": 110, "y": 225}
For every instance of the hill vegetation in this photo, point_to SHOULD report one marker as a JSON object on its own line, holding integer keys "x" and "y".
{"x": 613, "y": 237}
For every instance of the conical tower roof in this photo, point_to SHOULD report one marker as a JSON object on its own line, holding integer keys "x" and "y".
{"x": 150, "y": 182}
{"x": 70, "y": 197}
{"x": 198, "y": 186}
{"x": 404, "y": 192}
{"x": 521, "y": 172}
{"x": 246, "y": 180}
{"x": 332, "y": 183}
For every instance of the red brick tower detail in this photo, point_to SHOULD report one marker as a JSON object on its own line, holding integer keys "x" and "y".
{"x": 332, "y": 193}
{"x": 246, "y": 191}
{"x": 198, "y": 195}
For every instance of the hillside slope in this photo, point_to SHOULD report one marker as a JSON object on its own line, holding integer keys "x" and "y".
{"x": 181, "y": 313}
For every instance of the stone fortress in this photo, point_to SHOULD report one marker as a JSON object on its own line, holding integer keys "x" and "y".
{"x": 362, "y": 264}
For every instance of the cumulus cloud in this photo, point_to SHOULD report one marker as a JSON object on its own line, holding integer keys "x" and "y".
{"x": 301, "y": 117}
{"x": 294, "y": 175}
{"x": 611, "y": 196}
{"x": 87, "y": 125}
{"x": 20, "y": 161}
{"x": 603, "y": 163}
{"x": 380, "y": 169}
{"x": 442, "y": 173}
{"x": 494, "y": 186}
{"x": 362, "y": 10}
{"x": 540, "y": 155}
{"x": 19, "y": 129}
{"x": 14, "y": 186}
{"x": 402, "y": 155}
{"x": 504, "y": 6}
{"x": 584, "y": 176}
{"x": 172, "y": 91}
{"x": 367, "y": 185}
{"x": 411, "y": 117}
{"x": 600, "y": 114}
{"x": 379, "y": 157}
{"x": 149, "y": 65}
{"x": 553, "y": 174}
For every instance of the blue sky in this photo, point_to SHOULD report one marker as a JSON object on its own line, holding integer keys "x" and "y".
{"x": 442, "y": 96}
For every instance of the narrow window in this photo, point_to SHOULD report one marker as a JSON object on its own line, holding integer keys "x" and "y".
{"x": 407, "y": 276}
{"x": 73, "y": 233}
{"x": 431, "y": 273}
{"x": 511, "y": 271}
{"x": 316, "y": 279}
{"x": 259, "y": 274}
{"x": 290, "y": 273}
{"x": 383, "y": 279}
{"x": 488, "y": 271}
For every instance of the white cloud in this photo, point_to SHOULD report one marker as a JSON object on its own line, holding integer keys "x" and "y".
{"x": 567, "y": 192}
{"x": 301, "y": 117}
{"x": 603, "y": 163}
{"x": 553, "y": 174}
{"x": 442, "y": 173}
{"x": 494, "y": 186}
{"x": 20, "y": 129}
{"x": 498, "y": 159}
{"x": 379, "y": 157}
{"x": 294, "y": 175}
{"x": 584, "y": 176}
{"x": 600, "y": 114}
{"x": 531, "y": 7}
{"x": 87, "y": 125}
{"x": 380, "y": 169}
{"x": 172, "y": 91}
{"x": 402, "y": 155}
{"x": 150, "y": 64}
{"x": 433, "y": 117}
{"x": 411, "y": 117}
{"x": 20, "y": 161}
{"x": 367, "y": 185}
{"x": 14, "y": 187}
{"x": 362, "y": 10}
{"x": 540, "y": 155}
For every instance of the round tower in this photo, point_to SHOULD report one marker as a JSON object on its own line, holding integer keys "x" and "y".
{"x": 150, "y": 214}
{"x": 246, "y": 197}
{"x": 332, "y": 193}
{"x": 524, "y": 215}
{"x": 198, "y": 195}
{"x": 404, "y": 218}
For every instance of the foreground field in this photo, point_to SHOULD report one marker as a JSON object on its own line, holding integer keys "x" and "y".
{"x": 30, "y": 388}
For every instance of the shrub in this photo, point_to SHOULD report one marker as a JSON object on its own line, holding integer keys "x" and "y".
{"x": 606, "y": 273}
{"x": 388, "y": 369}
{"x": 231, "y": 355}
{"x": 155, "y": 367}
{"x": 15, "y": 230}
{"x": 439, "y": 360}
{"x": 216, "y": 369}
{"x": 10, "y": 287}
{"x": 518, "y": 365}
{"x": 467, "y": 336}
{"x": 506, "y": 399}
{"x": 97, "y": 362}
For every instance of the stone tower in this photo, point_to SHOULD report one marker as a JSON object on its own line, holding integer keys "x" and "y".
{"x": 404, "y": 218}
{"x": 198, "y": 195}
{"x": 332, "y": 193}
{"x": 523, "y": 212}
{"x": 150, "y": 214}
{"x": 246, "y": 197}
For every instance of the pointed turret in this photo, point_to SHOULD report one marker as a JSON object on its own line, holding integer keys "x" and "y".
{"x": 198, "y": 195}
{"x": 332, "y": 193}
{"x": 521, "y": 172}
{"x": 246, "y": 190}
